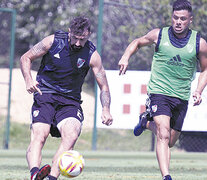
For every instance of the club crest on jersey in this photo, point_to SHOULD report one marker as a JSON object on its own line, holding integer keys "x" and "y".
{"x": 154, "y": 108}
{"x": 36, "y": 113}
{"x": 80, "y": 62}
{"x": 190, "y": 48}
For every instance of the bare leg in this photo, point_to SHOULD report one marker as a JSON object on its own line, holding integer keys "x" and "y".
{"x": 163, "y": 143}
{"x": 152, "y": 126}
{"x": 70, "y": 131}
{"x": 163, "y": 137}
{"x": 39, "y": 134}
{"x": 174, "y": 135}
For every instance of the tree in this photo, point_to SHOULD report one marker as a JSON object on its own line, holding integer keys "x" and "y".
{"x": 123, "y": 21}
{"x": 126, "y": 20}
{"x": 39, "y": 18}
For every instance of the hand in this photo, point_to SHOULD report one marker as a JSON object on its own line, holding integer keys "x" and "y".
{"x": 33, "y": 87}
{"x": 106, "y": 118}
{"x": 197, "y": 98}
{"x": 123, "y": 63}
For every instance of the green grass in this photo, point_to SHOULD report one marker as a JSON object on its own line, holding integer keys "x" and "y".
{"x": 122, "y": 139}
{"x": 120, "y": 156}
{"x": 112, "y": 165}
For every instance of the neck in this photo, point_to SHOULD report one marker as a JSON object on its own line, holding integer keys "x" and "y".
{"x": 181, "y": 35}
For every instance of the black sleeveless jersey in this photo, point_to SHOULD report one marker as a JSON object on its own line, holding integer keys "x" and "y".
{"x": 63, "y": 70}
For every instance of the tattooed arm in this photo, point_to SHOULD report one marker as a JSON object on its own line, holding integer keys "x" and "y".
{"x": 35, "y": 52}
{"x": 101, "y": 79}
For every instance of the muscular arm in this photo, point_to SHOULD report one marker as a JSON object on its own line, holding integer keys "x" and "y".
{"x": 35, "y": 52}
{"x": 202, "y": 80}
{"x": 101, "y": 79}
{"x": 146, "y": 40}
{"x": 105, "y": 94}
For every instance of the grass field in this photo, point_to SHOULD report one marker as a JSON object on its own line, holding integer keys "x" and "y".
{"x": 133, "y": 162}
{"x": 114, "y": 165}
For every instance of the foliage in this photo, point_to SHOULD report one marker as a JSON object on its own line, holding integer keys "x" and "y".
{"x": 39, "y": 18}
{"x": 123, "y": 21}
{"x": 123, "y": 24}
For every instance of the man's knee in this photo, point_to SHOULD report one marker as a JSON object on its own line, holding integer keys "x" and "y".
{"x": 40, "y": 132}
{"x": 70, "y": 131}
{"x": 70, "y": 135}
{"x": 163, "y": 134}
{"x": 70, "y": 128}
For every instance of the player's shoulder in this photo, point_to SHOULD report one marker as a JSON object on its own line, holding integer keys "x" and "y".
{"x": 61, "y": 34}
{"x": 153, "y": 34}
{"x": 203, "y": 45}
{"x": 48, "y": 41}
{"x": 90, "y": 46}
{"x": 202, "y": 40}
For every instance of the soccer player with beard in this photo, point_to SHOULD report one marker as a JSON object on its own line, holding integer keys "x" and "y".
{"x": 67, "y": 57}
{"x": 177, "y": 51}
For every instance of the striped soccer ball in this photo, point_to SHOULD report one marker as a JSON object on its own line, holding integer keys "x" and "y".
{"x": 71, "y": 163}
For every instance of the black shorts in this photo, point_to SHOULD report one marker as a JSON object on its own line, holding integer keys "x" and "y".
{"x": 173, "y": 107}
{"x": 53, "y": 108}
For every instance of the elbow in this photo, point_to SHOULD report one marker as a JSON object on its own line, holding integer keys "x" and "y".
{"x": 24, "y": 59}
{"x": 21, "y": 59}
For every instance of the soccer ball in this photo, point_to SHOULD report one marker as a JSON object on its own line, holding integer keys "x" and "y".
{"x": 71, "y": 163}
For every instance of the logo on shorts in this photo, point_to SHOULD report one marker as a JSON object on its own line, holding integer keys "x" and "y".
{"x": 36, "y": 113}
{"x": 154, "y": 108}
{"x": 79, "y": 114}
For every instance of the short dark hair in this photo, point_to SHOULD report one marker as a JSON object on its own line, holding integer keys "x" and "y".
{"x": 182, "y": 5}
{"x": 80, "y": 24}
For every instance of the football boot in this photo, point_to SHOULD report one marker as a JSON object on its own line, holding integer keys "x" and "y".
{"x": 168, "y": 177}
{"x": 43, "y": 172}
{"x": 141, "y": 126}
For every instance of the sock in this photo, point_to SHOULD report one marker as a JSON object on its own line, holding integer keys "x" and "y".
{"x": 34, "y": 170}
{"x": 52, "y": 177}
{"x": 168, "y": 177}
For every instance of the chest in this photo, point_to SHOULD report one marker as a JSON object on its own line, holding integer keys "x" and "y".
{"x": 66, "y": 60}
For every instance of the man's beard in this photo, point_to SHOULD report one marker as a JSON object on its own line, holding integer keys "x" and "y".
{"x": 76, "y": 48}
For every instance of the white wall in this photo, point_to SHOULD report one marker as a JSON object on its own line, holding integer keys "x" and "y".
{"x": 127, "y": 91}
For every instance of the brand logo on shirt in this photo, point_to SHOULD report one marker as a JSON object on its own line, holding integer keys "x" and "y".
{"x": 80, "y": 62}
{"x": 57, "y": 55}
{"x": 175, "y": 61}
{"x": 190, "y": 48}
{"x": 166, "y": 44}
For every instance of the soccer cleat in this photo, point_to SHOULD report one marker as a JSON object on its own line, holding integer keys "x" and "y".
{"x": 168, "y": 177}
{"x": 43, "y": 172}
{"x": 34, "y": 176}
{"x": 141, "y": 126}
